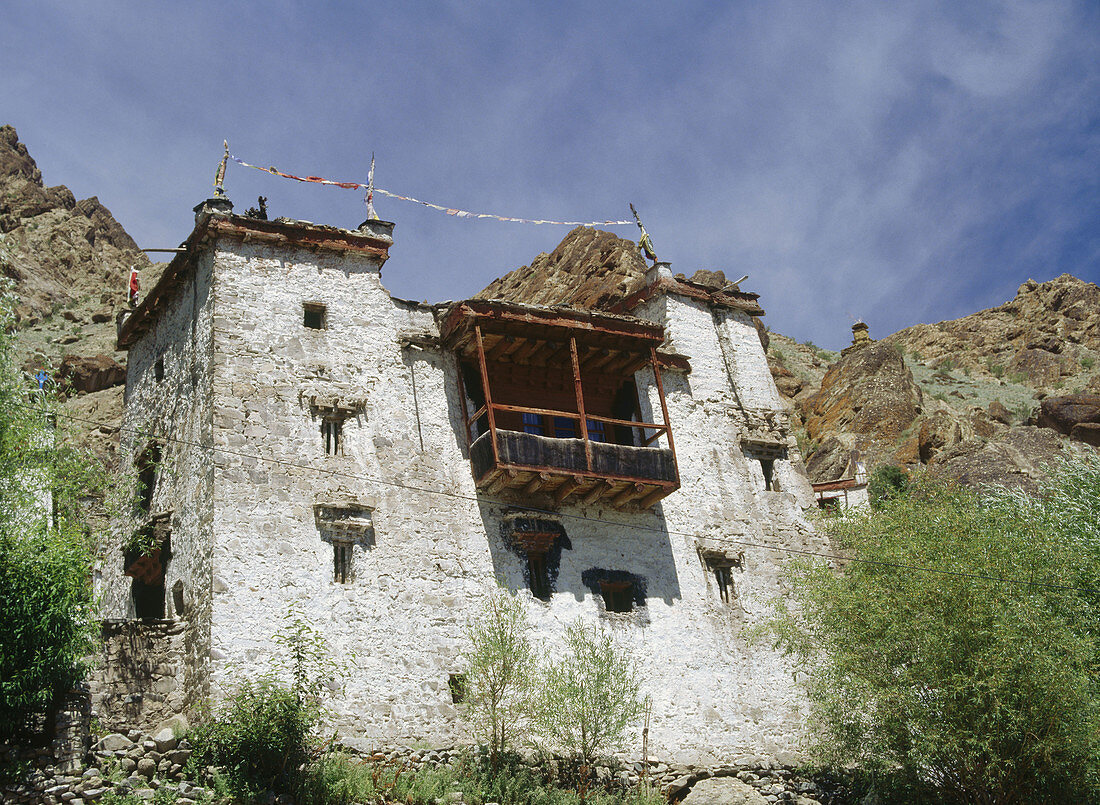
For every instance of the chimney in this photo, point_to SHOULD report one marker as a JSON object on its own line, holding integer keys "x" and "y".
{"x": 219, "y": 205}
{"x": 383, "y": 230}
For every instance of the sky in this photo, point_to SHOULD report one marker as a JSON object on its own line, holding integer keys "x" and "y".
{"x": 891, "y": 162}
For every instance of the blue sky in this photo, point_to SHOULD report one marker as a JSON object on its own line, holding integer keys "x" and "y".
{"x": 898, "y": 162}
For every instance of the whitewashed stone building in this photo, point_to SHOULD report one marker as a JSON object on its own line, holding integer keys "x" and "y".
{"x": 309, "y": 442}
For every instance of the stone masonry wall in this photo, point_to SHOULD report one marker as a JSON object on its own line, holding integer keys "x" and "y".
{"x": 438, "y": 544}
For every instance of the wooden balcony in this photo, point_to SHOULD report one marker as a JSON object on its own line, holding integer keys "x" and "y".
{"x": 547, "y": 383}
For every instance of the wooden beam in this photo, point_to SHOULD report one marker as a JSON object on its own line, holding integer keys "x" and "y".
{"x": 580, "y": 401}
{"x": 568, "y": 486}
{"x": 488, "y": 394}
{"x": 538, "y": 482}
{"x": 504, "y": 479}
{"x": 654, "y": 496}
{"x": 600, "y": 489}
{"x": 524, "y": 352}
{"x": 631, "y": 492}
{"x": 599, "y": 363}
{"x": 499, "y": 348}
{"x": 540, "y": 355}
{"x": 664, "y": 411}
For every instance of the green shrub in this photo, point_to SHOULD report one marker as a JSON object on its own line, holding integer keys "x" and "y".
{"x": 47, "y": 617}
{"x": 887, "y": 482}
{"x": 1087, "y": 362}
{"x": 259, "y": 739}
{"x": 957, "y": 662}
{"x": 588, "y": 696}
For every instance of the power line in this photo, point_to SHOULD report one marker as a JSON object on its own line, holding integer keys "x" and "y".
{"x": 564, "y": 515}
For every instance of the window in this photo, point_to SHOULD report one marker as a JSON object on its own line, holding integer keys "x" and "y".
{"x": 332, "y": 435}
{"x": 539, "y": 575}
{"x": 532, "y": 423}
{"x": 457, "y": 685}
{"x": 158, "y": 369}
{"x": 767, "y": 466}
{"x": 723, "y": 575}
{"x": 147, "y": 465}
{"x": 596, "y": 432}
{"x": 342, "y": 555}
{"x": 314, "y": 315}
{"x": 565, "y": 428}
{"x": 618, "y": 596}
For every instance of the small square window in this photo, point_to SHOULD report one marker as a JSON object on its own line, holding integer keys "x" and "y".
{"x": 342, "y": 555}
{"x": 596, "y": 431}
{"x": 158, "y": 369}
{"x": 532, "y": 423}
{"x": 618, "y": 596}
{"x": 565, "y": 428}
{"x": 539, "y": 574}
{"x": 314, "y": 316}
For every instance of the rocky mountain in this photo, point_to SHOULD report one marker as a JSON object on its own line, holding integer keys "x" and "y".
{"x": 69, "y": 262}
{"x": 988, "y": 398}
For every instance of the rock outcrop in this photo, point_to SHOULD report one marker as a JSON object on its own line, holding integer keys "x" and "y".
{"x": 69, "y": 261}
{"x": 590, "y": 268}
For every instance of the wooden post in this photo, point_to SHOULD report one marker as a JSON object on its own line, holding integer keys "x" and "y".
{"x": 664, "y": 410}
{"x": 462, "y": 398}
{"x": 580, "y": 400}
{"x": 489, "y": 396}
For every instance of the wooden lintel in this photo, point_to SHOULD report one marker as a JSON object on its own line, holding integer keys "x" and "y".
{"x": 539, "y": 480}
{"x": 568, "y": 486}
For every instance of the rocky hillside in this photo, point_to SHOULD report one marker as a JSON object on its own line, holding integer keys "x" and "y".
{"x": 69, "y": 262}
{"x": 988, "y": 398}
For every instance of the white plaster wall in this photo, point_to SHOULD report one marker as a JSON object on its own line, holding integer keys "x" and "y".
{"x": 438, "y": 548}
{"x": 177, "y": 412}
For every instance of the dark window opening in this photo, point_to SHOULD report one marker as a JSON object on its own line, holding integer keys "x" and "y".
{"x": 148, "y": 599}
{"x": 618, "y": 596}
{"x": 148, "y": 570}
{"x": 625, "y": 406}
{"x": 332, "y": 435}
{"x": 457, "y": 685}
{"x": 767, "y": 466}
{"x": 314, "y": 316}
{"x": 723, "y": 575}
{"x": 147, "y": 466}
{"x": 158, "y": 369}
{"x": 539, "y": 575}
{"x": 341, "y": 562}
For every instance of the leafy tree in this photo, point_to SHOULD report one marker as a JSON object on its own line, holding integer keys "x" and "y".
{"x": 499, "y": 662}
{"x": 959, "y": 686}
{"x": 588, "y": 696}
{"x": 886, "y": 483}
{"x": 47, "y": 624}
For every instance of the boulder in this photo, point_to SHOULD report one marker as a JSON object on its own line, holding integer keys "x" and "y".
{"x": 1017, "y": 458}
{"x": 998, "y": 413}
{"x": 723, "y": 791}
{"x": 90, "y": 374}
{"x": 869, "y": 392}
{"x": 1065, "y": 414}
{"x": 113, "y": 743}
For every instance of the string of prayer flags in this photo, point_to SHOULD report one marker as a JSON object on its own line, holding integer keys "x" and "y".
{"x": 371, "y": 189}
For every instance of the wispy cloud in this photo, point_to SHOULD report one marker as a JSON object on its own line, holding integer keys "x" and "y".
{"x": 898, "y": 162}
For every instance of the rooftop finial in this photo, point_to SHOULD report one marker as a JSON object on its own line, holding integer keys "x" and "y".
{"x": 645, "y": 245}
{"x": 219, "y": 177}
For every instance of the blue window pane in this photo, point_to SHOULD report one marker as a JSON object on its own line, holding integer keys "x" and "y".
{"x": 532, "y": 423}
{"x": 596, "y": 432}
{"x": 565, "y": 428}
